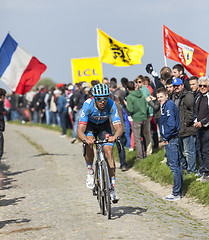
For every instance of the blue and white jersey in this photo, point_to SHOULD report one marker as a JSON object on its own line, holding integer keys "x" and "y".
{"x": 89, "y": 112}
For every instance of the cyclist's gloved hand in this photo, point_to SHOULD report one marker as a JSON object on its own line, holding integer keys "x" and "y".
{"x": 111, "y": 139}
{"x": 90, "y": 141}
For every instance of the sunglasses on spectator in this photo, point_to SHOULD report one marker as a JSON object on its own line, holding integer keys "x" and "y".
{"x": 200, "y": 85}
{"x": 101, "y": 99}
{"x": 139, "y": 81}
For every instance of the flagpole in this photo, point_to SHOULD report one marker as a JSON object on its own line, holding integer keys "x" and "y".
{"x": 165, "y": 60}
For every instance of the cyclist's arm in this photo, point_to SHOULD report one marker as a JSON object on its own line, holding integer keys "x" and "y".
{"x": 81, "y": 134}
{"x": 118, "y": 133}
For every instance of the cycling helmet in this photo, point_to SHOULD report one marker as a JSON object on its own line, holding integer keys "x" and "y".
{"x": 100, "y": 90}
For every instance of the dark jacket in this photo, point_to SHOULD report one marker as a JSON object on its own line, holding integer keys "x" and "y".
{"x": 169, "y": 120}
{"x": 185, "y": 80}
{"x": 118, "y": 95}
{"x": 137, "y": 106}
{"x": 185, "y": 106}
{"x": 2, "y": 123}
{"x": 202, "y": 109}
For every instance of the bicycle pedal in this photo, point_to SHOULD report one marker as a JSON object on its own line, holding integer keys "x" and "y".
{"x": 94, "y": 193}
{"x": 115, "y": 201}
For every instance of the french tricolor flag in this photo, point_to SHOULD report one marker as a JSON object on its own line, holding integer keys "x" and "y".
{"x": 19, "y": 70}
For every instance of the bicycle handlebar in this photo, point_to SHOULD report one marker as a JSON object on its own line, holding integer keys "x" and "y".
{"x": 101, "y": 142}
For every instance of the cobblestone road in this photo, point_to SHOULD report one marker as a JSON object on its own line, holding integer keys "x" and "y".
{"x": 45, "y": 197}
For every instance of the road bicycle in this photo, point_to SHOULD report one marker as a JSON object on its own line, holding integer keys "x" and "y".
{"x": 102, "y": 182}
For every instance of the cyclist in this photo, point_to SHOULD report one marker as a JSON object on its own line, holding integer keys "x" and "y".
{"x": 94, "y": 121}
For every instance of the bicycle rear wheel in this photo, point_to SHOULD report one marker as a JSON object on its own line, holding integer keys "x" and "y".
{"x": 107, "y": 191}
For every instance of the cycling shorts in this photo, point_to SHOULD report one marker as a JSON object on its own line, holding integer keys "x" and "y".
{"x": 99, "y": 130}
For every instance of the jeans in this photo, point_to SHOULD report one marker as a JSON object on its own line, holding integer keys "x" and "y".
{"x": 188, "y": 156}
{"x": 36, "y": 116}
{"x": 62, "y": 121}
{"x": 48, "y": 115}
{"x": 204, "y": 143}
{"x": 199, "y": 153}
{"x": 14, "y": 115}
{"x": 173, "y": 158}
{"x": 128, "y": 135}
{"x": 58, "y": 119}
{"x": 1, "y": 144}
{"x": 75, "y": 125}
{"x": 122, "y": 153}
{"x": 53, "y": 118}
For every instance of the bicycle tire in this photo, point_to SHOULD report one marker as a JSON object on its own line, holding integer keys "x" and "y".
{"x": 107, "y": 191}
{"x": 100, "y": 195}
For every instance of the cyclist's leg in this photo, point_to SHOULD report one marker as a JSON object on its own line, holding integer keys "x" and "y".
{"x": 89, "y": 152}
{"x": 89, "y": 159}
{"x": 108, "y": 151}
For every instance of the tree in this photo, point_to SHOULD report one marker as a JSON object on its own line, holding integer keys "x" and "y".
{"x": 45, "y": 82}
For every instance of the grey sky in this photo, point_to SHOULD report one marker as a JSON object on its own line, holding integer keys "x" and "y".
{"x": 57, "y": 30}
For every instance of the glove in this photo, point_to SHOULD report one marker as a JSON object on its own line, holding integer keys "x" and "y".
{"x": 149, "y": 68}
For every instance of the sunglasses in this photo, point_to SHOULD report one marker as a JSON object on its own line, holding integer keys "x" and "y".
{"x": 101, "y": 99}
{"x": 200, "y": 85}
{"x": 139, "y": 81}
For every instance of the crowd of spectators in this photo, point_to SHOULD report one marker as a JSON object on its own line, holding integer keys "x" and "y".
{"x": 140, "y": 112}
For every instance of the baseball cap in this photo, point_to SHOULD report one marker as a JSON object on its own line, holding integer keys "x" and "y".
{"x": 70, "y": 87}
{"x": 57, "y": 91}
{"x": 177, "y": 82}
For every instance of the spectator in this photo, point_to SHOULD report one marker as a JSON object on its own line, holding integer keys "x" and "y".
{"x": 165, "y": 74}
{"x": 70, "y": 111}
{"x": 115, "y": 96}
{"x": 76, "y": 105}
{"x": 178, "y": 72}
{"x": 193, "y": 82}
{"x": 13, "y": 99}
{"x": 169, "y": 87}
{"x": 116, "y": 93}
{"x": 29, "y": 98}
{"x": 37, "y": 106}
{"x": 184, "y": 100}
{"x": 169, "y": 128}
{"x": 124, "y": 83}
{"x": 113, "y": 79}
{"x": 53, "y": 108}
{"x": 61, "y": 109}
{"x": 94, "y": 82}
{"x": 105, "y": 81}
{"x": 2, "y": 128}
{"x": 202, "y": 123}
{"x": 147, "y": 83}
{"x": 147, "y": 124}
{"x": 137, "y": 106}
{"x": 47, "y": 107}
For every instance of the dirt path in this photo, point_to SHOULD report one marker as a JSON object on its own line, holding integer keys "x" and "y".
{"x": 45, "y": 197}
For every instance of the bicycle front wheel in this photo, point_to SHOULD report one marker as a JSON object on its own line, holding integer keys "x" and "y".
{"x": 100, "y": 192}
{"x": 107, "y": 191}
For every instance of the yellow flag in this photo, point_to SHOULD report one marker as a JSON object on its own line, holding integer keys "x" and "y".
{"x": 86, "y": 69}
{"x": 119, "y": 54}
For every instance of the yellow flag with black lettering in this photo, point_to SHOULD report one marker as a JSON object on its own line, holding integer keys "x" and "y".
{"x": 119, "y": 54}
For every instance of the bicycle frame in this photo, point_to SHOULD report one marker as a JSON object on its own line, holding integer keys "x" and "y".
{"x": 101, "y": 177}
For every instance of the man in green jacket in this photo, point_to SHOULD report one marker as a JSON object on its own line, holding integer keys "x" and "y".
{"x": 137, "y": 106}
{"x": 147, "y": 125}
